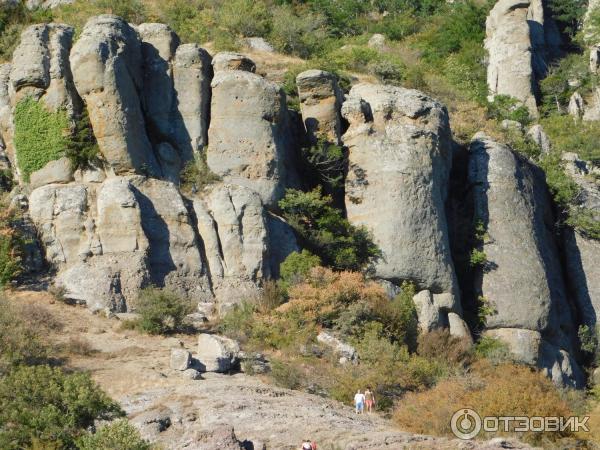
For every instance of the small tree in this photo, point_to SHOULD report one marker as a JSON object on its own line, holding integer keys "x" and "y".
{"x": 161, "y": 311}
{"x": 118, "y": 435}
{"x": 326, "y": 232}
{"x": 50, "y": 406}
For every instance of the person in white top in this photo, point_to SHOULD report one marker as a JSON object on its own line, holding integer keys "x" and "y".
{"x": 359, "y": 402}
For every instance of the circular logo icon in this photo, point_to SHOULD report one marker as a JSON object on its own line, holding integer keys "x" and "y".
{"x": 465, "y": 424}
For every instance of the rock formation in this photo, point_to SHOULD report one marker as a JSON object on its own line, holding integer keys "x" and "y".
{"x": 122, "y": 223}
{"x": 320, "y": 102}
{"x": 522, "y": 261}
{"x": 249, "y": 135}
{"x": 107, "y": 69}
{"x": 399, "y": 163}
{"x": 508, "y": 42}
{"x": 582, "y": 251}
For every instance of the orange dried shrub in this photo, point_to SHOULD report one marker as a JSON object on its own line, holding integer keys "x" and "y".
{"x": 325, "y": 293}
{"x": 503, "y": 390}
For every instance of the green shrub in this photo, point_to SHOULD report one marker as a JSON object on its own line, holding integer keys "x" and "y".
{"x": 82, "y": 148}
{"x": 161, "y": 311}
{"x": 568, "y": 14}
{"x": 196, "y": 174}
{"x": 118, "y": 435}
{"x": 190, "y": 19}
{"x": 477, "y": 258}
{"x": 47, "y": 404}
{"x": 238, "y": 323}
{"x": 301, "y": 35}
{"x": 286, "y": 375}
{"x": 492, "y": 349}
{"x": 296, "y": 267}
{"x": 40, "y": 135}
{"x": 505, "y": 107}
{"x": 588, "y": 338}
{"x": 11, "y": 243}
{"x": 326, "y": 232}
{"x": 326, "y": 163}
{"x": 585, "y": 221}
{"x": 244, "y": 17}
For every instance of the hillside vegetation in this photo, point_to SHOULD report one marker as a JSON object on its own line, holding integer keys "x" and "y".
{"x": 419, "y": 379}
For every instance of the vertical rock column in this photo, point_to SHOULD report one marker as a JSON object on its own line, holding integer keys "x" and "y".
{"x": 508, "y": 42}
{"x": 522, "y": 278}
{"x": 399, "y": 162}
{"x": 192, "y": 74}
{"x": 249, "y": 136}
{"x": 107, "y": 69}
{"x": 320, "y": 102}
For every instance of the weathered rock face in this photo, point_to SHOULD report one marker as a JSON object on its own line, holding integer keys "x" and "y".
{"x": 399, "y": 163}
{"x": 232, "y": 222}
{"x": 192, "y": 74}
{"x": 545, "y": 36}
{"x": 158, "y": 45}
{"x": 509, "y": 46}
{"x": 107, "y": 69}
{"x": 233, "y": 61}
{"x": 249, "y": 138}
{"x": 320, "y": 101}
{"x": 583, "y": 252}
{"x": 41, "y": 67}
{"x": 109, "y": 240}
{"x": 512, "y": 202}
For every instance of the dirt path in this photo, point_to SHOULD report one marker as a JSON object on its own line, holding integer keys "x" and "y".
{"x": 134, "y": 369}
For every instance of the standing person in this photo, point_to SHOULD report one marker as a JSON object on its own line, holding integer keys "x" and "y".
{"x": 313, "y": 445}
{"x": 359, "y": 402}
{"x": 369, "y": 399}
{"x": 306, "y": 445}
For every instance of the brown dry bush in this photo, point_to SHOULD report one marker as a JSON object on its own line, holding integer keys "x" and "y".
{"x": 441, "y": 345}
{"x": 501, "y": 390}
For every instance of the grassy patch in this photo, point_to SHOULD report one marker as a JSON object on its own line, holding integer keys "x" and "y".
{"x": 41, "y": 136}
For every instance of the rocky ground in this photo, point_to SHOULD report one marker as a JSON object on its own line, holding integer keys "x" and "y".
{"x": 181, "y": 413}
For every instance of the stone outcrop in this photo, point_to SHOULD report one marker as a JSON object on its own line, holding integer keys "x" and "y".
{"x": 399, "y": 163}
{"x": 320, "y": 102}
{"x": 109, "y": 240}
{"x": 249, "y": 135}
{"x": 582, "y": 251}
{"x": 512, "y": 202}
{"x": 509, "y": 46}
{"x": 233, "y": 61}
{"x": 158, "y": 46}
{"x": 41, "y": 67}
{"x": 107, "y": 69}
{"x": 192, "y": 74}
{"x": 231, "y": 220}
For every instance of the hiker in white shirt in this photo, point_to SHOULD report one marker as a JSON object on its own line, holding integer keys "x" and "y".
{"x": 359, "y": 402}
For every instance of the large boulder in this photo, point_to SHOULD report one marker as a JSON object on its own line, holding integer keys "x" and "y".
{"x": 217, "y": 353}
{"x": 512, "y": 202}
{"x": 192, "y": 74}
{"x": 508, "y": 43}
{"x": 249, "y": 140}
{"x": 399, "y": 162}
{"x": 107, "y": 69}
{"x": 320, "y": 102}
